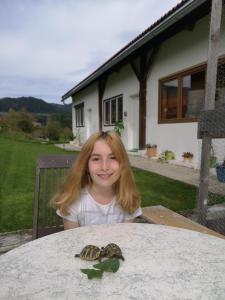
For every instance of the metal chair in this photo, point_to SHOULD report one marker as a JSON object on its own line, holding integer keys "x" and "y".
{"x": 50, "y": 172}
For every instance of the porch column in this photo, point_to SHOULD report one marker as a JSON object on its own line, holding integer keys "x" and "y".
{"x": 142, "y": 113}
{"x": 101, "y": 89}
{"x": 140, "y": 66}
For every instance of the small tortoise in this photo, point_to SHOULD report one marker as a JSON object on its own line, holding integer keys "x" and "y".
{"x": 112, "y": 250}
{"x": 90, "y": 252}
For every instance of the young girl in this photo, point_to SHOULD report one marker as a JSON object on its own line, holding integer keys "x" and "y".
{"x": 100, "y": 187}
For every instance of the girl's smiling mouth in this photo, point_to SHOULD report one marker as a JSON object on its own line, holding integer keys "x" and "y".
{"x": 104, "y": 176}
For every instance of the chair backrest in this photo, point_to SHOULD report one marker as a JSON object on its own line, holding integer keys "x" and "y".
{"x": 50, "y": 173}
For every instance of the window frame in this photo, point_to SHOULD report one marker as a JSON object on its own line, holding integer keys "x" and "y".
{"x": 221, "y": 61}
{"x": 178, "y": 76}
{"x": 110, "y": 101}
{"x": 79, "y": 109}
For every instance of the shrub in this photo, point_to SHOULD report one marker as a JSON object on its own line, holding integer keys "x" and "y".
{"x": 119, "y": 127}
{"x": 17, "y": 121}
{"x": 66, "y": 134}
{"x": 52, "y": 131}
{"x": 25, "y": 125}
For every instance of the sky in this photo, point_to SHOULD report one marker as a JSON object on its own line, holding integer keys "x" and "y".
{"x": 49, "y": 46}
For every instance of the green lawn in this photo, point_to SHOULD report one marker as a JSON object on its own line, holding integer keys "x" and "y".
{"x": 156, "y": 189}
{"x": 17, "y": 178}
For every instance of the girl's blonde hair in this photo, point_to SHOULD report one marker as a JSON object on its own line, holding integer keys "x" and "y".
{"x": 125, "y": 188}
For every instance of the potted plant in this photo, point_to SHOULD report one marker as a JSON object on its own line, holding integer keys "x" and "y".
{"x": 119, "y": 127}
{"x": 151, "y": 150}
{"x": 166, "y": 155}
{"x": 220, "y": 171}
{"x": 169, "y": 155}
{"x": 187, "y": 156}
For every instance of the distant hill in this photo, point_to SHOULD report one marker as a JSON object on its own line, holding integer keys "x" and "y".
{"x": 33, "y": 105}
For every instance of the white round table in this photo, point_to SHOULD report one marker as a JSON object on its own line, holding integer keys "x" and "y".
{"x": 160, "y": 263}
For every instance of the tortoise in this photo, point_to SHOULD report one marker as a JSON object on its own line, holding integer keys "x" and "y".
{"x": 112, "y": 250}
{"x": 90, "y": 252}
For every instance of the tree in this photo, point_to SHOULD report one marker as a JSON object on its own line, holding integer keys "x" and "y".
{"x": 66, "y": 134}
{"x": 52, "y": 130}
{"x": 64, "y": 118}
{"x": 25, "y": 125}
{"x": 17, "y": 121}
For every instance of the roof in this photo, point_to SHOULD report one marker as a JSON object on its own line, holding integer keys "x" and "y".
{"x": 171, "y": 17}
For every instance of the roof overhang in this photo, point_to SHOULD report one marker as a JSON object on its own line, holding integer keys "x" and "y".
{"x": 172, "y": 19}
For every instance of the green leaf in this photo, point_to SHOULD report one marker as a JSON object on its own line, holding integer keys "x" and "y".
{"x": 92, "y": 273}
{"x": 108, "y": 265}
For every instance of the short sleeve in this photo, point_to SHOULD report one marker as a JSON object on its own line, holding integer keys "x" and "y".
{"x": 134, "y": 215}
{"x": 72, "y": 216}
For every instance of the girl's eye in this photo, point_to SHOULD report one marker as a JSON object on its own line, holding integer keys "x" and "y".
{"x": 95, "y": 159}
{"x": 112, "y": 157}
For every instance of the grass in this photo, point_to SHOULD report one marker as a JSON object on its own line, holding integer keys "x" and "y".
{"x": 156, "y": 189}
{"x": 17, "y": 179}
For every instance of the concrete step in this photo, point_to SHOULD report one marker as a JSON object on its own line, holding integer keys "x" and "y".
{"x": 11, "y": 240}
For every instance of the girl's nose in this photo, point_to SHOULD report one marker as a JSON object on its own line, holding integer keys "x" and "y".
{"x": 105, "y": 164}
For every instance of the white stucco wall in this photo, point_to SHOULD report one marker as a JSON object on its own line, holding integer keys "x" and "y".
{"x": 124, "y": 82}
{"x": 185, "y": 50}
{"x": 89, "y": 97}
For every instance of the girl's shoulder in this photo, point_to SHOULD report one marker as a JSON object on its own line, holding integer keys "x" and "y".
{"x": 82, "y": 200}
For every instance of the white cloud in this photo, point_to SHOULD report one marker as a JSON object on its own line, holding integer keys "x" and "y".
{"x": 64, "y": 41}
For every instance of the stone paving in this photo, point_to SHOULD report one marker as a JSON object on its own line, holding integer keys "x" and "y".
{"x": 11, "y": 240}
{"x": 176, "y": 170}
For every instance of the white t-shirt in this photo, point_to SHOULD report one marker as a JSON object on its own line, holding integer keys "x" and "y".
{"x": 86, "y": 211}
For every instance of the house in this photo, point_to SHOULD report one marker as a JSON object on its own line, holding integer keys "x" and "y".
{"x": 155, "y": 85}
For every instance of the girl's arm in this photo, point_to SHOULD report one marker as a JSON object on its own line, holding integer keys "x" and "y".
{"x": 69, "y": 224}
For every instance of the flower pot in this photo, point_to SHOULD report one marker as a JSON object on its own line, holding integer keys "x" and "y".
{"x": 151, "y": 151}
{"x": 169, "y": 155}
{"x": 187, "y": 159}
{"x": 220, "y": 172}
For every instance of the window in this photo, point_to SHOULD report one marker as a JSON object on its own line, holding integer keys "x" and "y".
{"x": 220, "y": 85}
{"x": 79, "y": 112}
{"x": 182, "y": 96}
{"x": 113, "y": 110}
{"x": 169, "y": 99}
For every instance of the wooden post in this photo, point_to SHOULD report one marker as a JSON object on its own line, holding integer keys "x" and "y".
{"x": 142, "y": 114}
{"x": 141, "y": 67}
{"x": 101, "y": 89}
{"x": 215, "y": 22}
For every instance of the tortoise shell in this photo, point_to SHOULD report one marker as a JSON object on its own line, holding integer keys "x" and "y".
{"x": 90, "y": 252}
{"x": 112, "y": 250}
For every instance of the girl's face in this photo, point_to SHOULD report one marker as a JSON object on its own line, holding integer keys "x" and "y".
{"x": 103, "y": 166}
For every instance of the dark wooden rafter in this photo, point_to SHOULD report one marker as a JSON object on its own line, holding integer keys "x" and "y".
{"x": 101, "y": 89}
{"x": 135, "y": 64}
{"x": 141, "y": 66}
